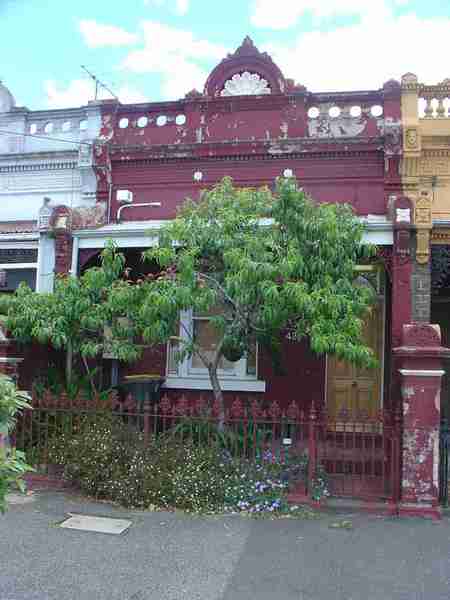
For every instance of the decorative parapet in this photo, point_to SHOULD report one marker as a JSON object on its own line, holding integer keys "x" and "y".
{"x": 423, "y": 222}
{"x": 425, "y": 168}
{"x": 433, "y": 100}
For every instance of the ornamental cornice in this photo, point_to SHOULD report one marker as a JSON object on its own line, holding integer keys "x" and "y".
{"x": 437, "y": 141}
{"x": 305, "y": 148}
{"x": 440, "y": 235}
{"x": 439, "y": 88}
{"x": 28, "y": 157}
{"x": 247, "y": 103}
{"x": 219, "y": 104}
{"x": 146, "y": 160}
{"x": 60, "y": 113}
{"x": 27, "y": 168}
{"x": 429, "y": 164}
{"x": 411, "y": 83}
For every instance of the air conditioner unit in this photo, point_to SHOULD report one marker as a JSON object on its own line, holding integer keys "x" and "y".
{"x": 124, "y": 196}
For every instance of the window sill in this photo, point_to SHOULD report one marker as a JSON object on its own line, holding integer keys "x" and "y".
{"x": 227, "y": 385}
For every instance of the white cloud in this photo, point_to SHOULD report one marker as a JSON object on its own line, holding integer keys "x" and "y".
{"x": 80, "y": 91}
{"x": 77, "y": 93}
{"x": 285, "y": 13}
{"x": 176, "y": 55}
{"x": 365, "y": 55}
{"x": 129, "y": 95}
{"x": 98, "y": 35}
{"x": 179, "y": 7}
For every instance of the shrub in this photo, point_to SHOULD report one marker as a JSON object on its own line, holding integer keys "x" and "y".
{"x": 109, "y": 461}
{"x": 243, "y": 440}
{"x": 12, "y": 462}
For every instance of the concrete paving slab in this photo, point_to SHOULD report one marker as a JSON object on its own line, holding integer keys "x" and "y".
{"x": 18, "y": 498}
{"x": 174, "y": 556}
{"x": 96, "y": 524}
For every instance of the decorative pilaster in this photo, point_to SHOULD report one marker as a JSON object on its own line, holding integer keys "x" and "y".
{"x": 420, "y": 359}
{"x": 421, "y": 274}
{"x": 424, "y": 222}
{"x": 401, "y": 211}
{"x": 62, "y": 229}
{"x": 46, "y": 253}
{"x": 410, "y": 116}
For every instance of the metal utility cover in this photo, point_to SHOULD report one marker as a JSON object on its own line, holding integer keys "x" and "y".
{"x": 96, "y": 524}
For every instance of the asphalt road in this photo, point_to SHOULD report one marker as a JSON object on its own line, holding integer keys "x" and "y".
{"x": 167, "y": 556}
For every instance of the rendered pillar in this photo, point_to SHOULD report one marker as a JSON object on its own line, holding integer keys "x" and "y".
{"x": 61, "y": 224}
{"x": 420, "y": 359}
{"x": 401, "y": 214}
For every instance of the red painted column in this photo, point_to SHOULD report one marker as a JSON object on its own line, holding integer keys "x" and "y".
{"x": 420, "y": 359}
{"x": 401, "y": 270}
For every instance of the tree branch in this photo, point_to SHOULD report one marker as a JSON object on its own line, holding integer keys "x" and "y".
{"x": 243, "y": 316}
{"x": 195, "y": 348}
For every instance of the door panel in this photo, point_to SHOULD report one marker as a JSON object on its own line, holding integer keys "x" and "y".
{"x": 352, "y": 388}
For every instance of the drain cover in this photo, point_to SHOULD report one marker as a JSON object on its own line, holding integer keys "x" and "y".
{"x": 96, "y": 524}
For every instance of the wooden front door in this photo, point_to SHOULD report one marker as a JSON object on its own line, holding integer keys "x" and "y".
{"x": 353, "y": 388}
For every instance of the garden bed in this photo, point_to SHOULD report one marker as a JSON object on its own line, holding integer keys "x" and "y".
{"x": 172, "y": 472}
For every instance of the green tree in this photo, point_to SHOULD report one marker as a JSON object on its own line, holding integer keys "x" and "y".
{"x": 80, "y": 312}
{"x": 12, "y": 462}
{"x": 274, "y": 264}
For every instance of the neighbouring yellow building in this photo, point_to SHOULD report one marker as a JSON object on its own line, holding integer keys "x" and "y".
{"x": 425, "y": 167}
{"x": 425, "y": 172}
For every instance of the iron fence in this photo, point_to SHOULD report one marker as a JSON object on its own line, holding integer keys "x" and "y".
{"x": 358, "y": 452}
{"x": 444, "y": 448}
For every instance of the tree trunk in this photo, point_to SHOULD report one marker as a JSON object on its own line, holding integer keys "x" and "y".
{"x": 69, "y": 363}
{"x": 91, "y": 378}
{"x": 218, "y": 396}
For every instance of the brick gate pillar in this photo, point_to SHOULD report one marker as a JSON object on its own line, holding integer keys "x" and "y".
{"x": 420, "y": 366}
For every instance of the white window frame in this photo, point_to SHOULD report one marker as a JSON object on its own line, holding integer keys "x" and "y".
{"x": 189, "y": 377}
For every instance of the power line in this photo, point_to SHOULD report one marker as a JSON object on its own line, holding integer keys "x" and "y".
{"x": 45, "y": 137}
{"x": 98, "y": 83}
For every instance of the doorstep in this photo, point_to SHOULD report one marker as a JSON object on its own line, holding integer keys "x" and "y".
{"x": 344, "y": 504}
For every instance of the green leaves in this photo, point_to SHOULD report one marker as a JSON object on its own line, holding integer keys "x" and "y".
{"x": 12, "y": 462}
{"x": 79, "y": 311}
{"x": 274, "y": 262}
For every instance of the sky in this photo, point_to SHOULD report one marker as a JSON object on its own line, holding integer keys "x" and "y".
{"x": 151, "y": 50}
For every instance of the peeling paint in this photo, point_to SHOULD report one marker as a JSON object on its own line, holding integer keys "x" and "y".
{"x": 284, "y": 149}
{"x": 342, "y": 126}
{"x": 435, "y": 442}
{"x": 437, "y": 400}
{"x": 408, "y": 392}
{"x": 391, "y": 129}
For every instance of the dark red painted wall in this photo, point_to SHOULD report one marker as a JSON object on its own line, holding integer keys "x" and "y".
{"x": 302, "y": 378}
{"x": 254, "y": 139}
{"x": 354, "y": 180}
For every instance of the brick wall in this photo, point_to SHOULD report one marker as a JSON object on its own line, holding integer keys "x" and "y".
{"x": 63, "y": 252}
{"x": 420, "y": 291}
